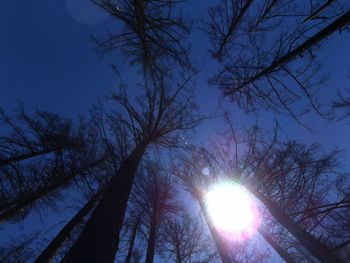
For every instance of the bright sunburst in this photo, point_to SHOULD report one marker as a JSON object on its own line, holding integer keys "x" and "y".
{"x": 232, "y": 210}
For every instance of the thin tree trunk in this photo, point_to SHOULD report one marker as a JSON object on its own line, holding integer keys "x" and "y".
{"x": 132, "y": 240}
{"x": 280, "y": 251}
{"x": 19, "y": 250}
{"x": 10, "y": 210}
{"x": 340, "y": 246}
{"x": 178, "y": 254}
{"x": 100, "y": 238}
{"x": 151, "y": 244}
{"x": 319, "y": 10}
{"x": 25, "y": 156}
{"x": 312, "y": 41}
{"x": 319, "y": 250}
{"x": 233, "y": 26}
{"x": 220, "y": 245}
{"x": 52, "y": 249}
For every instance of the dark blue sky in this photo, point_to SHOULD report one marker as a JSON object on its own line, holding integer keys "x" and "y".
{"x": 47, "y": 59}
{"x": 49, "y": 63}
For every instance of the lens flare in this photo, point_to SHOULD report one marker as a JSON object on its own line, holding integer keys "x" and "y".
{"x": 232, "y": 210}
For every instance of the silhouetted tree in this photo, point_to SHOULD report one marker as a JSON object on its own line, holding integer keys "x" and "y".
{"x": 136, "y": 256}
{"x": 342, "y": 104}
{"x": 18, "y": 250}
{"x": 28, "y": 137}
{"x": 151, "y": 34}
{"x": 40, "y": 155}
{"x": 134, "y": 225}
{"x": 154, "y": 194}
{"x": 189, "y": 169}
{"x": 158, "y": 116}
{"x": 268, "y": 50}
{"x": 116, "y": 142}
{"x": 298, "y": 177}
{"x": 184, "y": 239}
{"x": 51, "y": 250}
{"x": 280, "y": 250}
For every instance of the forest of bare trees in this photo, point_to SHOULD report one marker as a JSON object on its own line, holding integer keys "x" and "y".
{"x": 137, "y": 168}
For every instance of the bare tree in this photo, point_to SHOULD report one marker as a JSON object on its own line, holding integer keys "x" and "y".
{"x": 44, "y": 133}
{"x": 185, "y": 240}
{"x": 163, "y": 112}
{"x": 297, "y": 177}
{"x": 41, "y": 155}
{"x": 18, "y": 250}
{"x": 279, "y": 249}
{"x": 299, "y": 181}
{"x": 342, "y": 104}
{"x": 154, "y": 194}
{"x": 116, "y": 142}
{"x": 268, "y": 49}
{"x": 152, "y": 32}
{"x": 134, "y": 225}
{"x": 189, "y": 170}
{"x": 51, "y": 250}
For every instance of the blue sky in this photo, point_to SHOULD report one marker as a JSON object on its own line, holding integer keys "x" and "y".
{"x": 48, "y": 62}
{"x": 47, "y": 59}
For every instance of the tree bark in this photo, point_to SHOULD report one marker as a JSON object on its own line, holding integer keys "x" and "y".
{"x": 319, "y": 250}
{"x": 132, "y": 240}
{"x": 52, "y": 249}
{"x": 151, "y": 244}
{"x": 220, "y": 245}
{"x": 100, "y": 238}
{"x": 280, "y": 251}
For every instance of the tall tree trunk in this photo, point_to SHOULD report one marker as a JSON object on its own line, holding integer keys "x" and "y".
{"x": 132, "y": 240}
{"x": 280, "y": 251}
{"x": 100, "y": 238}
{"x": 220, "y": 245}
{"x": 52, "y": 249}
{"x": 319, "y": 250}
{"x": 151, "y": 244}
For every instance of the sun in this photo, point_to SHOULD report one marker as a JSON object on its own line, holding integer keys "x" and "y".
{"x": 232, "y": 210}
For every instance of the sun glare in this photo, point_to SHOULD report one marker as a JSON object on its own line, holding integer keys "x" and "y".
{"x": 232, "y": 210}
